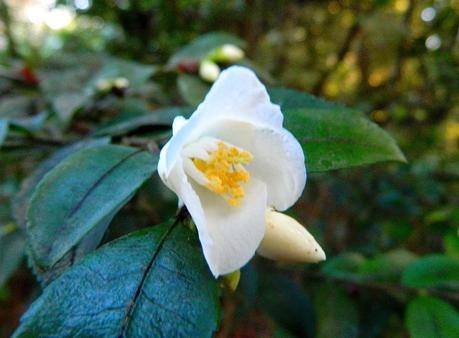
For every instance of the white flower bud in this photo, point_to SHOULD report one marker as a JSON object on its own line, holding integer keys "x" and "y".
{"x": 121, "y": 83}
{"x": 231, "y": 53}
{"x": 209, "y": 71}
{"x": 287, "y": 240}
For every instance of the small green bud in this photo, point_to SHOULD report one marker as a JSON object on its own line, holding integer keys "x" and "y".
{"x": 232, "y": 53}
{"x": 227, "y": 53}
{"x": 8, "y": 229}
{"x": 231, "y": 280}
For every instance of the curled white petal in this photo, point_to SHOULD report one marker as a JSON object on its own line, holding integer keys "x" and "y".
{"x": 236, "y": 95}
{"x": 235, "y": 233}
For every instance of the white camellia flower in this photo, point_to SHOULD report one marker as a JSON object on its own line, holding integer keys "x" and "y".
{"x": 229, "y": 163}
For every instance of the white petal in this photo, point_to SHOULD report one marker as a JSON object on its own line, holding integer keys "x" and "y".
{"x": 178, "y": 182}
{"x": 178, "y": 123}
{"x": 236, "y": 95}
{"x": 229, "y": 235}
{"x": 234, "y": 232}
{"x": 278, "y": 158}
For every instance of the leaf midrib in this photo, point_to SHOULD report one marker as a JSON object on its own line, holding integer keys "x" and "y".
{"x": 132, "y": 304}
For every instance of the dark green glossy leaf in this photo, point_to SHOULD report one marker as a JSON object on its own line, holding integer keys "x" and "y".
{"x": 21, "y": 204}
{"x": 334, "y": 137}
{"x": 79, "y": 193}
{"x": 294, "y": 99}
{"x": 129, "y": 121}
{"x": 333, "y": 140}
{"x": 151, "y": 283}
{"x": 12, "y": 241}
{"x": 3, "y": 130}
{"x": 429, "y": 317}
{"x": 337, "y": 316}
{"x": 22, "y": 198}
{"x": 432, "y": 271}
{"x": 192, "y": 88}
{"x": 87, "y": 244}
{"x": 200, "y": 47}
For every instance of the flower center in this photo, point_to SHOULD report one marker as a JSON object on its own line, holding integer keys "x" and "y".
{"x": 220, "y": 168}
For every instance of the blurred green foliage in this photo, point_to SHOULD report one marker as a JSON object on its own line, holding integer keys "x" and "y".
{"x": 390, "y": 231}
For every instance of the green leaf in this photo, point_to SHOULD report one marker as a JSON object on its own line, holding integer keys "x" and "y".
{"x": 154, "y": 282}
{"x": 200, "y": 47}
{"x": 22, "y": 198}
{"x": 345, "y": 265}
{"x": 12, "y": 241}
{"x": 432, "y": 271}
{"x": 451, "y": 244}
{"x": 19, "y": 111}
{"x": 337, "y": 316}
{"x": 428, "y": 317}
{"x": 67, "y": 104}
{"x": 192, "y": 88}
{"x": 129, "y": 121}
{"x": 334, "y": 137}
{"x": 294, "y": 99}
{"x": 80, "y": 193}
{"x": 21, "y": 204}
{"x": 3, "y": 130}
{"x": 87, "y": 244}
{"x": 388, "y": 266}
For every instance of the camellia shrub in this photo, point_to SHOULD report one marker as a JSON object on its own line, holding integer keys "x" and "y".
{"x": 220, "y": 171}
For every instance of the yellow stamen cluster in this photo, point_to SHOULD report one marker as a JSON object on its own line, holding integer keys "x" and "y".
{"x": 225, "y": 173}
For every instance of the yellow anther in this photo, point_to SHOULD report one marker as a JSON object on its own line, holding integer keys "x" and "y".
{"x": 225, "y": 173}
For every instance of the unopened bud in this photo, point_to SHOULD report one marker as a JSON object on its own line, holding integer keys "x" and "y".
{"x": 227, "y": 53}
{"x": 209, "y": 71}
{"x": 286, "y": 240}
{"x": 121, "y": 83}
{"x": 231, "y": 280}
{"x": 231, "y": 53}
{"x": 8, "y": 228}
